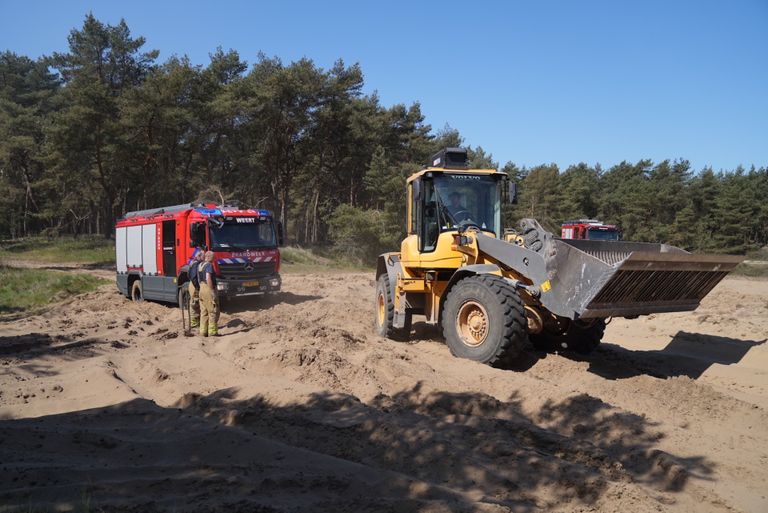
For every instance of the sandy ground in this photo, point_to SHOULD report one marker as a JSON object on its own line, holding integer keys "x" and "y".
{"x": 106, "y": 406}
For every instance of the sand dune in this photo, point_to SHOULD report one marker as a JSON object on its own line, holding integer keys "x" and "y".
{"x": 106, "y": 406}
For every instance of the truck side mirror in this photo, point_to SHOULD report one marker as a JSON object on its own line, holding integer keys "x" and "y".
{"x": 280, "y": 240}
{"x": 512, "y": 193}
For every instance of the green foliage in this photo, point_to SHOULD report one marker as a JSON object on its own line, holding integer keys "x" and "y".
{"x": 664, "y": 202}
{"x": 302, "y": 260}
{"x": 538, "y": 196}
{"x": 360, "y": 234}
{"x": 752, "y": 269}
{"x": 64, "y": 250}
{"x": 114, "y": 129}
{"x": 22, "y": 289}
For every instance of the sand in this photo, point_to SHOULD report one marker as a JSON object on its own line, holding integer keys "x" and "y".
{"x": 106, "y": 406}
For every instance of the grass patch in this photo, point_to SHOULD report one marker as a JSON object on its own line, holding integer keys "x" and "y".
{"x": 758, "y": 254}
{"x": 752, "y": 269}
{"x": 24, "y": 289}
{"x": 83, "y": 250}
{"x": 302, "y": 260}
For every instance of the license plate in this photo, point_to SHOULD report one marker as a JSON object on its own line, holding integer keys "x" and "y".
{"x": 254, "y": 283}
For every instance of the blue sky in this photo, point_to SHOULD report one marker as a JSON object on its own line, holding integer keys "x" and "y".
{"x": 532, "y": 82}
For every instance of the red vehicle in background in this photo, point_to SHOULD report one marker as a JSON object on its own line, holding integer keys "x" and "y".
{"x": 589, "y": 229}
{"x": 154, "y": 249}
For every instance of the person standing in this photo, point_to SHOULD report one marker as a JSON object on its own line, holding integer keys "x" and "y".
{"x": 209, "y": 300}
{"x": 194, "y": 288}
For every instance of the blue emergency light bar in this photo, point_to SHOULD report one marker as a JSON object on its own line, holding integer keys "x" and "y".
{"x": 209, "y": 211}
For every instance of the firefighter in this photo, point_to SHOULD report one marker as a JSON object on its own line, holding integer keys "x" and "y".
{"x": 194, "y": 288}
{"x": 209, "y": 301}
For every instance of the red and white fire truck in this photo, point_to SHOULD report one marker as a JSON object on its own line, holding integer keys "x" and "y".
{"x": 590, "y": 229}
{"x": 154, "y": 249}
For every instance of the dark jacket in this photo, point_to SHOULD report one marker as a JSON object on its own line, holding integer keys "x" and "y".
{"x": 194, "y": 274}
{"x": 204, "y": 270}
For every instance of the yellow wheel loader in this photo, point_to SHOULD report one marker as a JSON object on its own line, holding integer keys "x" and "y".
{"x": 493, "y": 290}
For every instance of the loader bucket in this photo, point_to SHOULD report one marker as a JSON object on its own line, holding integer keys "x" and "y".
{"x": 587, "y": 279}
{"x": 625, "y": 279}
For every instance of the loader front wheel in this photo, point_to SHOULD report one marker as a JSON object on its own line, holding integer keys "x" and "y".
{"x": 384, "y": 313}
{"x": 484, "y": 320}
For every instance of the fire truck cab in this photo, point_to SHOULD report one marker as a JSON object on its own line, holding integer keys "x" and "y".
{"x": 155, "y": 247}
{"x": 589, "y": 229}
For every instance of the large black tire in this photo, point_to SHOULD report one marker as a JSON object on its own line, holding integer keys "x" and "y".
{"x": 184, "y": 306}
{"x": 137, "y": 293}
{"x": 484, "y": 320}
{"x": 580, "y": 337}
{"x": 384, "y": 313}
{"x": 183, "y": 295}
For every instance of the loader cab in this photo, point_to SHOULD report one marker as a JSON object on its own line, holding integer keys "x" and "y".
{"x": 447, "y": 197}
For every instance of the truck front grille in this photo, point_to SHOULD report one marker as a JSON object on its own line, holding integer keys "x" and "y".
{"x": 246, "y": 271}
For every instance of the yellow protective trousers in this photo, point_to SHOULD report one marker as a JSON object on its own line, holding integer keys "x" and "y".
{"x": 194, "y": 306}
{"x": 209, "y": 311}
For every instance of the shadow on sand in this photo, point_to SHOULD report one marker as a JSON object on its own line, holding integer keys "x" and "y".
{"x": 687, "y": 354}
{"x": 412, "y": 451}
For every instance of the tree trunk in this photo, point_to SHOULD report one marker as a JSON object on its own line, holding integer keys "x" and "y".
{"x": 284, "y": 211}
{"x": 307, "y": 217}
{"x": 314, "y": 218}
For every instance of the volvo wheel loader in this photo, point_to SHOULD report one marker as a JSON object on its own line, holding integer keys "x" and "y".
{"x": 494, "y": 290}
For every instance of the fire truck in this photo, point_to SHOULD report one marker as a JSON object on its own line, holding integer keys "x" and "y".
{"x": 154, "y": 249}
{"x": 589, "y": 229}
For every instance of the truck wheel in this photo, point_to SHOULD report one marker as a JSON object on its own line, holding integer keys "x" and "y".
{"x": 184, "y": 306}
{"x": 484, "y": 320}
{"x": 183, "y": 296}
{"x": 137, "y": 293}
{"x": 579, "y": 337}
{"x": 385, "y": 313}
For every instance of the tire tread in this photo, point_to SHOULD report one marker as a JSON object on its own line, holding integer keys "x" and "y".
{"x": 389, "y": 331}
{"x": 514, "y": 332}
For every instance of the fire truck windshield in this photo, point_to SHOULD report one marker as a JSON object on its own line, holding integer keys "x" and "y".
{"x": 598, "y": 234}
{"x": 242, "y": 233}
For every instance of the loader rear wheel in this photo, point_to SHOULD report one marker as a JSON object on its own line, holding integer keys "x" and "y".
{"x": 484, "y": 320}
{"x": 384, "y": 314}
{"x": 584, "y": 339}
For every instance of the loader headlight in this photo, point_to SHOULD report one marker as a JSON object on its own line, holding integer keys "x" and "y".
{"x": 222, "y": 286}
